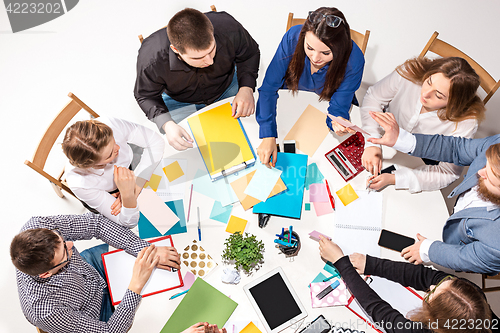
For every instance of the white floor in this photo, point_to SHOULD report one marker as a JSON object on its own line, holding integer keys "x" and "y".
{"x": 91, "y": 51}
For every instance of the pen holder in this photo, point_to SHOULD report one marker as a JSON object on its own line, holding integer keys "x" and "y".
{"x": 290, "y": 251}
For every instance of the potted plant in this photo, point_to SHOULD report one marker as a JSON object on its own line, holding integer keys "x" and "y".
{"x": 245, "y": 252}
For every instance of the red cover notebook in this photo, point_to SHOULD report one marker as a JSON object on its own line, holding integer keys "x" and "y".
{"x": 403, "y": 299}
{"x": 118, "y": 266}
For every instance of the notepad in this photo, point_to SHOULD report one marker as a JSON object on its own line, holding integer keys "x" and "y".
{"x": 155, "y": 210}
{"x": 222, "y": 141}
{"x": 202, "y": 303}
{"x": 118, "y": 266}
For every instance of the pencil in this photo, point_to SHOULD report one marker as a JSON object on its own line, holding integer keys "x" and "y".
{"x": 190, "y": 197}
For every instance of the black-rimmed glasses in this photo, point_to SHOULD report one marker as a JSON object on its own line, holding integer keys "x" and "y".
{"x": 331, "y": 20}
{"x": 446, "y": 278}
{"x": 65, "y": 249}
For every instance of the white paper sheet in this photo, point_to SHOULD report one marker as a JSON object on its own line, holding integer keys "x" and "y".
{"x": 156, "y": 211}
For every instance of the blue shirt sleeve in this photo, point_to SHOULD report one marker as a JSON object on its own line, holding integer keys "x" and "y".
{"x": 341, "y": 100}
{"x": 273, "y": 81}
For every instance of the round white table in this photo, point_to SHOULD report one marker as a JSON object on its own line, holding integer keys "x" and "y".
{"x": 403, "y": 213}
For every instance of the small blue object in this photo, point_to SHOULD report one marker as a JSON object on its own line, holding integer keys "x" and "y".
{"x": 280, "y": 242}
{"x": 199, "y": 234}
{"x": 335, "y": 284}
{"x": 179, "y": 294}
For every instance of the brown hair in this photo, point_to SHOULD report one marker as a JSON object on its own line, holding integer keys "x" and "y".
{"x": 463, "y": 101}
{"x": 32, "y": 251}
{"x": 461, "y": 302}
{"x": 337, "y": 39}
{"x": 84, "y": 141}
{"x": 493, "y": 156}
{"x": 190, "y": 29}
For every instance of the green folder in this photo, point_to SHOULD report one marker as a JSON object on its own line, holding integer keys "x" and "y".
{"x": 202, "y": 303}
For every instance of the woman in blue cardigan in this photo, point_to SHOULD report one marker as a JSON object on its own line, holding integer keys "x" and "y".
{"x": 318, "y": 56}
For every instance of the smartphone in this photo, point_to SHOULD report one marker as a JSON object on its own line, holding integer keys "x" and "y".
{"x": 318, "y": 325}
{"x": 289, "y": 146}
{"x": 394, "y": 241}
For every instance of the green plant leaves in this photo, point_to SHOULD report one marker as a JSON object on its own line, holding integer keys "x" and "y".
{"x": 246, "y": 252}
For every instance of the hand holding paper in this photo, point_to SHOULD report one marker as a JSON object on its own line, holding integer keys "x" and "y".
{"x": 350, "y": 126}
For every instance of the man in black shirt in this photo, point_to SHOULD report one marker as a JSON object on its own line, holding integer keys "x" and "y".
{"x": 191, "y": 64}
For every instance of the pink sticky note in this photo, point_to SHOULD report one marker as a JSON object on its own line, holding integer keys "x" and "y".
{"x": 322, "y": 208}
{"x": 338, "y": 296}
{"x": 348, "y": 124}
{"x": 315, "y": 235}
{"x": 318, "y": 193}
{"x": 188, "y": 280}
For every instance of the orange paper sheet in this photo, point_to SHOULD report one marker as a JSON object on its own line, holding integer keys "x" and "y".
{"x": 246, "y": 200}
{"x": 347, "y": 194}
{"x": 309, "y": 131}
{"x": 250, "y": 328}
{"x": 173, "y": 171}
{"x": 153, "y": 182}
{"x": 236, "y": 224}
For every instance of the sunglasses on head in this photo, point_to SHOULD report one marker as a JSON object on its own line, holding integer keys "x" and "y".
{"x": 331, "y": 20}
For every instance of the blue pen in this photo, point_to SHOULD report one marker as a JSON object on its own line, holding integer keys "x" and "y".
{"x": 179, "y": 294}
{"x": 199, "y": 226}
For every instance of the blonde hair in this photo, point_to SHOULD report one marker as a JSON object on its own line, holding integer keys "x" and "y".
{"x": 84, "y": 141}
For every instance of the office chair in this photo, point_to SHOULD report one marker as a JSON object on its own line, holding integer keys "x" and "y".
{"x": 358, "y": 38}
{"x": 50, "y": 137}
{"x": 444, "y": 49}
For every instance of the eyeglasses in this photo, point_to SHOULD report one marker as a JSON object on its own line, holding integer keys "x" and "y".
{"x": 65, "y": 249}
{"x": 446, "y": 278}
{"x": 331, "y": 20}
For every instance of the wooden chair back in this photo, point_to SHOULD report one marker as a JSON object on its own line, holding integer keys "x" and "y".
{"x": 212, "y": 8}
{"x": 50, "y": 137}
{"x": 358, "y": 38}
{"x": 444, "y": 49}
{"x": 40, "y": 331}
{"x": 486, "y": 277}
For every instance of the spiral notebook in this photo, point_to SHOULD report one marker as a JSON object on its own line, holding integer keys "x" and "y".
{"x": 358, "y": 225}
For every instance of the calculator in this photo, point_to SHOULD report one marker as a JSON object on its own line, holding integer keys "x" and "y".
{"x": 346, "y": 157}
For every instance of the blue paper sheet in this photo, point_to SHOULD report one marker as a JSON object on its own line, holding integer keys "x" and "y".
{"x": 313, "y": 175}
{"x": 331, "y": 269}
{"x": 147, "y": 229}
{"x": 287, "y": 203}
{"x": 220, "y": 213}
{"x": 319, "y": 278}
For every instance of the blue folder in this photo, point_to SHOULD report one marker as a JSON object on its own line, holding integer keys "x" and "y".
{"x": 289, "y": 202}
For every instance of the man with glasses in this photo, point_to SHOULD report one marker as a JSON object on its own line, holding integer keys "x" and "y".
{"x": 191, "y": 64}
{"x": 62, "y": 290}
{"x": 471, "y": 233}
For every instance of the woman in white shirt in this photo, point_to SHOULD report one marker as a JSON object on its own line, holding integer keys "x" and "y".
{"x": 99, "y": 159}
{"x": 429, "y": 97}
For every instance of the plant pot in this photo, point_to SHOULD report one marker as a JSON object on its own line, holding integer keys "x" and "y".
{"x": 290, "y": 251}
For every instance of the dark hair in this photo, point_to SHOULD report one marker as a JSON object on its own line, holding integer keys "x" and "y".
{"x": 463, "y": 101}
{"x": 462, "y": 301}
{"x": 32, "y": 251}
{"x": 337, "y": 39}
{"x": 493, "y": 156}
{"x": 84, "y": 141}
{"x": 190, "y": 29}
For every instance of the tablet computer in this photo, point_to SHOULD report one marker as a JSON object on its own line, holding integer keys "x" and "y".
{"x": 275, "y": 301}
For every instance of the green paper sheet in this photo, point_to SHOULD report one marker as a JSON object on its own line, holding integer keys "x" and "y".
{"x": 202, "y": 303}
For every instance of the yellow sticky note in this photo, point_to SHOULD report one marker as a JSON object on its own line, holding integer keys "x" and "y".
{"x": 153, "y": 182}
{"x": 347, "y": 194}
{"x": 236, "y": 224}
{"x": 173, "y": 171}
{"x": 250, "y": 328}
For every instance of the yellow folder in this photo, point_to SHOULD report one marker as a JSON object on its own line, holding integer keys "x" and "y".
{"x": 222, "y": 141}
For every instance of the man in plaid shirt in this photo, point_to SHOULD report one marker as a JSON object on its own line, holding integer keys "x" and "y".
{"x": 60, "y": 292}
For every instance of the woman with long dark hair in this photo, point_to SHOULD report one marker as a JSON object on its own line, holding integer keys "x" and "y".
{"x": 317, "y": 56}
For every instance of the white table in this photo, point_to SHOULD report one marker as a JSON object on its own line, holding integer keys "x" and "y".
{"x": 402, "y": 212}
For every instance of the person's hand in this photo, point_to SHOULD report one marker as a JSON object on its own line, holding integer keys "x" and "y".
{"x": 243, "y": 104}
{"x": 125, "y": 181}
{"x": 267, "y": 151}
{"x": 145, "y": 262}
{"x": 339, "y": 129}
{"x": 177, "y": 136}
{"x": 116, "y": 207}
{"x": 329, "y": 250}
{"x": 372, "y": 160}
{"x": 169, "y": 258}
{"x": 381, "y": 181}
{"x": 358, "y": 261}
{"x": 202, "y": 327}
{"x": 389, "y": 124}
{"x": 412, "y": 252}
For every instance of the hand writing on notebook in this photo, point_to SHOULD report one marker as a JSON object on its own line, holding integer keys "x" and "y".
{"x": 204, "y": 328}
{"x": 169, "y": 257}
{"x": 268, "y": 152}
{"x": 243, "y": 104}
{"x": 372, "y": 160}
{"x": 146, "y": 260}
{"x": 412, "y": 252}
{"x": 177, "y": 136}
{"x": 381, "y": 181}
{"x": 389, "y": 124}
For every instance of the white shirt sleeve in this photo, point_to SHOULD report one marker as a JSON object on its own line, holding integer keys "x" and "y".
{"x": 406, "y": 142}
{"x": 377, "y": 97}
{"x": 424, "y": 250}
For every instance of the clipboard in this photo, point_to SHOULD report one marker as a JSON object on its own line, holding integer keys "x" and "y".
{"x": 222, "y": 142}
{"x": 403, "y": 299}
{"x": 118, "y": 266}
